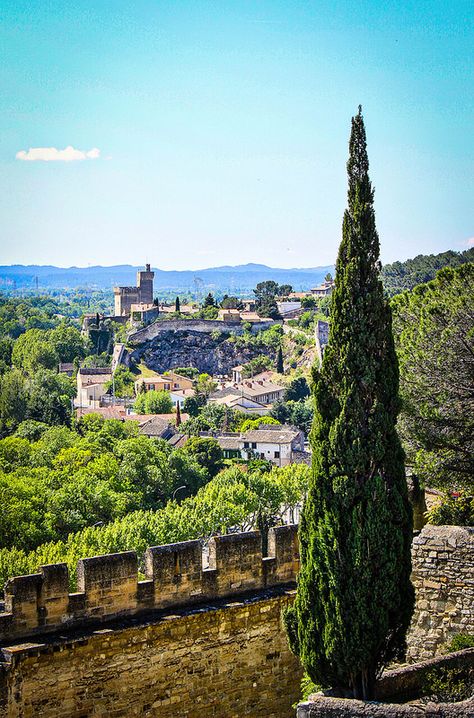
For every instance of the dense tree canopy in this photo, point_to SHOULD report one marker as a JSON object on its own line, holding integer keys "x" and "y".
{"x": 435, "y": 342}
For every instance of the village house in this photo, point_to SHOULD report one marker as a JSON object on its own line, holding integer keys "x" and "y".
{"x": 324, "y": 289}
{"x": 280, "y": 444}
{"x": 91, "y": 385}
{"x": 170, "y": 381}
{"x": 252, "y": 396}
{"x": 234, "y": 399}
{"x": 277, "y": 444}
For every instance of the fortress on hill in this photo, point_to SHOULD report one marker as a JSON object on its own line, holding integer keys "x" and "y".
{"x": 196, "y": 637}
{"x": 139, "y": 298}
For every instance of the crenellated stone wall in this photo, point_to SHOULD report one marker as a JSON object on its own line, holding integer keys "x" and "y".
{"x": 192, "y": 640}
{"x": 108, "y": 586}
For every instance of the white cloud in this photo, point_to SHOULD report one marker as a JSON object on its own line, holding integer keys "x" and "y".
{"x": 52, "y": 154}
{"x": 470, "y": 242}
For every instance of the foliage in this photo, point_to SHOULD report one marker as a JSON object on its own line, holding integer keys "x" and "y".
{"x": 233, "y": 499}
{"x": 400, "y": 276}
{"x": 177, "y": 305}
{"x": 188, "y": 371}
{"x": 309, "y": 302}
{"x": 206, "y": 452}
{"x": 459, "y": 642}
{"x": 279, "y": 360}
{"x": 257, "y": 365}
{"x": 250, "y": 424}
{"x": 265, "y": 293}
{"x": 123, "y": 382}
{"x": 435, "y": 341}
{"x": 297, "y": 390}
{"x": 204, "y": 385}
{"x": 209, "y": 301}
{"x": 231, "y": 302}
{"x": 452, "y": 511}
{"x": 67, "y": 479}
{"x": 449, "y": 685}
{"x": 296, "y": 413}
{"x": 153, "y": 402}
{"x": 354, "y": 599}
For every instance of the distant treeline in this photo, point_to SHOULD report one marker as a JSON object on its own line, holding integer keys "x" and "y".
{"x": 399, "y": 276}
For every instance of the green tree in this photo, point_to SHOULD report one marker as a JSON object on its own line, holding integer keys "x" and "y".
{"x": 284, "y": 290}
{"x": 205, "y": 385}
{"x": 207, "y": 453}
{"x": 354, "y": 599}
{"x": 298, "y": 389}
{"x": 279, "y": 361}
{"x": 123, "y": 382}
{"x": 434, "y": 331}
{"x": 13, "y": 398}
{"x": 177, "y": 305}
{"x": 33, "y": 351}
{"x": 257, "y": 365}
{"x": 158, "y": 402}
{"x": 265, "y": 293}
{"x": 209, "y": 301}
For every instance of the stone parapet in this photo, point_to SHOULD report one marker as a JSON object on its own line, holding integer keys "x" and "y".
{"x": 108, "y": 586}
{"x": 443, "y": 576}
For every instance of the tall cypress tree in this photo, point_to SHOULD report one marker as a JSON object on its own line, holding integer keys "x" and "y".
{"x": 354, "y": 599}
{"x": 279, "y": 361}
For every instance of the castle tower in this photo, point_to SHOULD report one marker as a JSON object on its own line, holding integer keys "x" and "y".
{"x": 145, "y": 285}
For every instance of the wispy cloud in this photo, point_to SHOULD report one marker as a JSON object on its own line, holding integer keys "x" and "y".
{"x": 52, "y": 154}
{"x": 470, "y": 242}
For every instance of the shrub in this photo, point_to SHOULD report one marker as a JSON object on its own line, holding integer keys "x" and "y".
{"x": 452, "y": 511}
{"x": 459, "y": 642}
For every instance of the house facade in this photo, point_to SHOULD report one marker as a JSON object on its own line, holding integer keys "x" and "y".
{"x": 91, "y": 386}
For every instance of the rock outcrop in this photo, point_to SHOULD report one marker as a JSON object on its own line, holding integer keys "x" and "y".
{"x": 206, "y": 352}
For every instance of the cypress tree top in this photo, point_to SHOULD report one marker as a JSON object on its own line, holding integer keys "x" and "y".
{"x": 354, "y": 598}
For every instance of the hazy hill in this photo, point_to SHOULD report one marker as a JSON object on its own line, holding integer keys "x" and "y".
{"x": 241, "y": 278}
{"x": 405, "y": 275}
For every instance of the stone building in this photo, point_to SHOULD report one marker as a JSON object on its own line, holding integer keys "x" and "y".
{"x": 142, "y": 294}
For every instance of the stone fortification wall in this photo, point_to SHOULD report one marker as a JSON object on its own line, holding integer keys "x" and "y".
{"x": 108, "y": 586}
{"x": 203, "y": 326}
{"x": 443, "y": 576}
{"x": 189, "y": 640}
{"x": 186, "y": 641}
{"x": 228, "y": 659}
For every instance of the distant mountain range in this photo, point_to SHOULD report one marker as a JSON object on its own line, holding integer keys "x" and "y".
{"x": 238, "y": 279}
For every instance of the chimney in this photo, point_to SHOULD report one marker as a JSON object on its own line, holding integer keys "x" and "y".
{"x": 147, "y": 266}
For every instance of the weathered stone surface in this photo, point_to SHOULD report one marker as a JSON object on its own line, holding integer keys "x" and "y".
{"x": 222, "y": 661}
{"x": 443, "y": 576}
{"x": 214, "y": 355}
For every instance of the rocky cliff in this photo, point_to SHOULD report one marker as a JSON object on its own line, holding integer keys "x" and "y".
{"x": 214, "y": 355}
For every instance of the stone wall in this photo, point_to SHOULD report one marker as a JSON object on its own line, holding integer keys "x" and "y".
{"x": 403, "y": 686}
{"x": 108, "y": 586}
{"x": 188, "y": 640}
{"x": 224, "y": 660}
{"x": 443, "y": 576}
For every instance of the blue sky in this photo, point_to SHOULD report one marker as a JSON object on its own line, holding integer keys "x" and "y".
{"x": 217, "y": 131}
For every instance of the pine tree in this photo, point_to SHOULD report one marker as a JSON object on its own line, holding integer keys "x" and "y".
{"x": 177, "y": 306}
{"x": 355, "y": 600}
{"x": 279, "y": 361}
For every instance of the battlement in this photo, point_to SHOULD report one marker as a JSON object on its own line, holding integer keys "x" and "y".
{"x": 108, "y": 586}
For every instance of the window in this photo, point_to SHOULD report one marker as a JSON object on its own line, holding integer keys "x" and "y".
{"x": 277, "y": 454}
{"x": 254, "y": 444}
{"x": 246, "y": 445}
